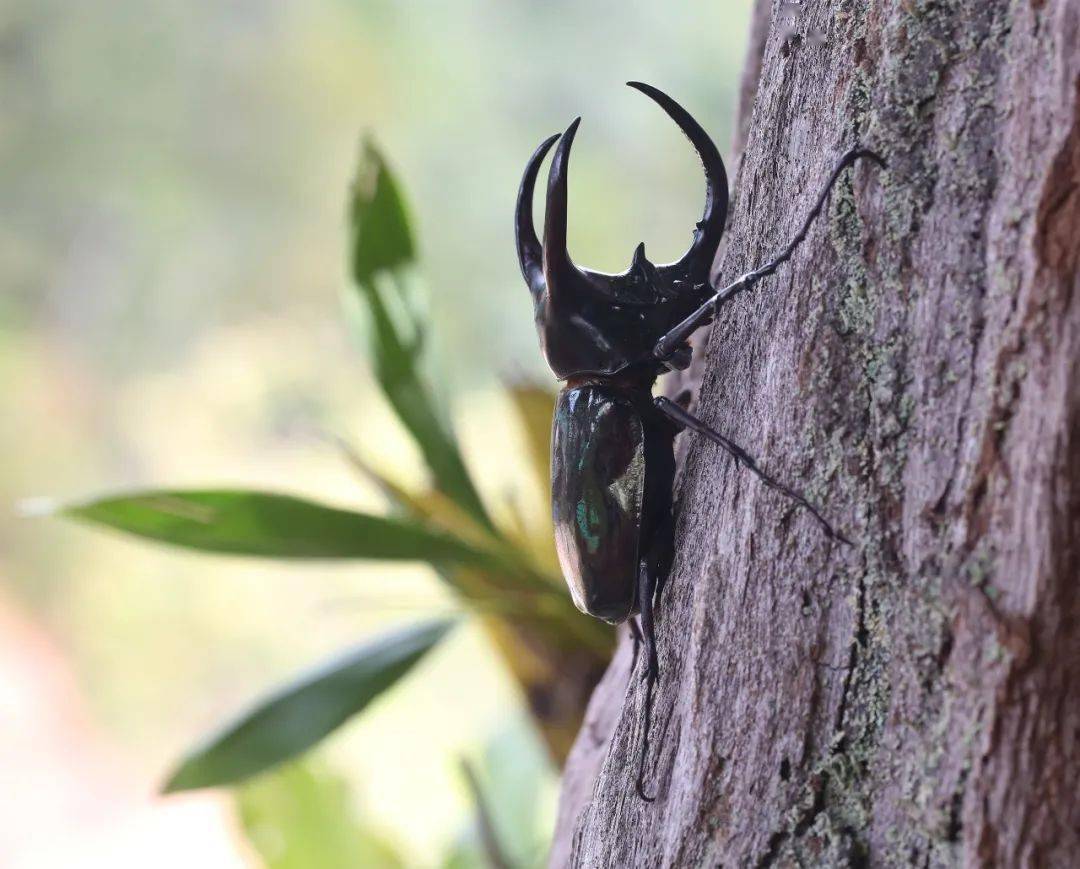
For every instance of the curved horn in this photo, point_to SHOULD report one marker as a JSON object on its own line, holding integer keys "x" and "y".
{"x": 528, "y": 245}
{"x": 556, "y": 258}
{"x": 697, "y": 260}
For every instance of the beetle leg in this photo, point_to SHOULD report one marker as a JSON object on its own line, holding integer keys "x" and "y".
{"x": 646, "y": 587}
{"x": 646, "y": 590}
{"x": 660, "y": 555}
{"x": 687, "y": 420}
{"x": 656, "y": 553}
{"x": 669, "y": 343}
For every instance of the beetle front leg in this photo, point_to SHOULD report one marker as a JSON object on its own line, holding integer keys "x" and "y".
{"x": 684, "y": 419}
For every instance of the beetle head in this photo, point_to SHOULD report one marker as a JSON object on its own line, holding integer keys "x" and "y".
{"x": 595, "y": 323}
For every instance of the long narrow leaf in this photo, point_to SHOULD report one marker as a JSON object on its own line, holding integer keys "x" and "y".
{"x": 383, "y": 252}
{"x": 494, "y": 852}
{"x": 306, "y": 711}
{"x": 273, "y": 525}
{"x": 382, "y": 236}
{"x": 397, "y": 370}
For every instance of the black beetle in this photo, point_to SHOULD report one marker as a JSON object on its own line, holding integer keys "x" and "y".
{"x": 609, "y": 337}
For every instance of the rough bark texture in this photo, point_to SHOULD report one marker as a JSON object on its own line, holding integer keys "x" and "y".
{"x": 913, "y": 699}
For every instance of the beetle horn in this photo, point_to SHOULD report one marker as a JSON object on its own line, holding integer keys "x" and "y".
{"x": 528, "y": 245}
{"x": 555, "y": 256}
{"x": 697, "y": 260}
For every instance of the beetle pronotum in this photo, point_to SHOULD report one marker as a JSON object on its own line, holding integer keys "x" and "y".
{"x": 608, "y": 338}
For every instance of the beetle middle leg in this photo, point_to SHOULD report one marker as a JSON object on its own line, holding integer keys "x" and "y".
{"x": 685, "y": 419}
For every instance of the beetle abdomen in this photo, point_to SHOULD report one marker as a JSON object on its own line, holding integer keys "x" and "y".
{"x": 597, "y": 488}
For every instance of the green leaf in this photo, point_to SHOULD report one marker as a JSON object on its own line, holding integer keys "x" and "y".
{"x": 275, "y": 526}
{"x": 306, "y": 711}
{"x": 490, "y": 843}
{"x": 383, "y": 252}
{"x": 382, "y": 239}
{"x": 301, "y": 816}
{"x": 513, "y": 786}
{"x": 398, "y": 373}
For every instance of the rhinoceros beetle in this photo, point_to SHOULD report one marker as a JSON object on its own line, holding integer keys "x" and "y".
{"x": 608, "y": 338}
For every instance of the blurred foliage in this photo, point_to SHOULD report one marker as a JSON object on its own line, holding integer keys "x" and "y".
{"x": 176, "y": 161}
{"x": 305, "y": 711}
{"x": 169, "y": 241}
{"x": 272, "y": 526}
{"x": 383, "y": 252}
{"x": 507, "y": 826}
{"x": 554, "y": 652}
{"x": 301, "y": 816}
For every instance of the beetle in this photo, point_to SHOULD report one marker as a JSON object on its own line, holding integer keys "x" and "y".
{"x": 608, "y": 337}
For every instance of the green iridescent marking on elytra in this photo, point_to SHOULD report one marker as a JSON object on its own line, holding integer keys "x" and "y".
{"x": 588, "y": 518}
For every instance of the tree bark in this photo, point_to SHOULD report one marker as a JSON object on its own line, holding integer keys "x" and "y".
{"x": 913, "y": 699}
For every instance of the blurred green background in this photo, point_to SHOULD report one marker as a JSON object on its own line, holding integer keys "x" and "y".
{"x": 173, "y": 182}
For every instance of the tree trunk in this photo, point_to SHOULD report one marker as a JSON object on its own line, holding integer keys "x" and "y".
{"x": 913, "y": 699}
